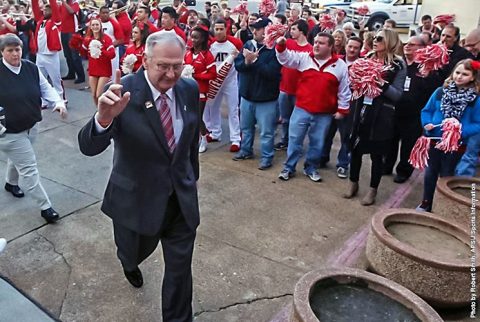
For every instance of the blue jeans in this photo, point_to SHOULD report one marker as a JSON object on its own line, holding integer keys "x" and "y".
{"x": 286, "y": 103}
{"x": 468, "y": 163}
{"x": 265, "y": 115}
{"x": 343, "y": 159}
{"x": 301, "y": 123}
{"x": 440, "y": 164}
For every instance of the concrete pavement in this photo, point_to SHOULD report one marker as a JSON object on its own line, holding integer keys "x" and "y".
{"x": 258, "y": 235}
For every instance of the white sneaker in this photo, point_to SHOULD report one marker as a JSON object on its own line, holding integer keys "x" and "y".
{"x": 3, "y": 243}
{"x": 203, "y": 144}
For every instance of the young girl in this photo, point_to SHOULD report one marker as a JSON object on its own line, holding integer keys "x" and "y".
{"x": 457, "y": 98}
{"x": 99, "y": 67}
{"x": 140, "y": 33}
{"x": 203, "y": 62}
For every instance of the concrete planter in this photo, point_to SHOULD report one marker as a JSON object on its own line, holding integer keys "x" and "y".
{"x": 315, "y": 282}
{"x": 454, "y": 206}
{"x": 440, "y": 276}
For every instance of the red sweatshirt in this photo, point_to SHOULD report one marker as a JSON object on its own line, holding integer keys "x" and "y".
{"x": 290, "y": 76}
{"x": 102, "y": 66}
{"x": 126, "y": 25}
{"x": 69, "y": 20}
{"x": 205, "y": 69}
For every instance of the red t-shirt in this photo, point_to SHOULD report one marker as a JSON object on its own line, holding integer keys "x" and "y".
{"x": 289, "y": 81}
{"x": 69, "y": 21}
{"x": 102, "y": 66}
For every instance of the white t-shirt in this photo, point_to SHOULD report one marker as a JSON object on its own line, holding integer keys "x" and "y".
{"x": 220, "y": 51}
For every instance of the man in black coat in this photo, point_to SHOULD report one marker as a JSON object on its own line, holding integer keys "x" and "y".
{"x": 153, "y": 118}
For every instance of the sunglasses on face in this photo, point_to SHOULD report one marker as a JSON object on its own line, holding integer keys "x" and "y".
{"x": 378, "y": 38}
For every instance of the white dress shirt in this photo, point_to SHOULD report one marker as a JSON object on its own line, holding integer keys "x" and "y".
{"x": 47, "y": 91}
{"x": 174, "y": 111}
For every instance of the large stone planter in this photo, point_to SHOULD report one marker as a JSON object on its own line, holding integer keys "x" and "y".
{"x": 324, "y": 295}
{"x": 453, "y": 200}
{"x": 428, "y": 255}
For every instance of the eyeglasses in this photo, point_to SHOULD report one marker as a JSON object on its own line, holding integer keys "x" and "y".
{"x": 378, "y": 38}
{"x": 177, "y": 68}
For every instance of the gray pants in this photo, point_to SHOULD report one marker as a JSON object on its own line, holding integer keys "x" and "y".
{"x": 22, "y": 165}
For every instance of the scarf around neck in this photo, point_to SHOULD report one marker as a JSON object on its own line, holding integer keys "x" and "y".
{"x": 455, "y": 100}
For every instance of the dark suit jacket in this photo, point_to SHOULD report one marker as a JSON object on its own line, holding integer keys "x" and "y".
{"x": 144, "y": 173}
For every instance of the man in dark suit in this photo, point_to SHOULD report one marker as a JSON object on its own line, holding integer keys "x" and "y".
{"x": 153, "y": 118}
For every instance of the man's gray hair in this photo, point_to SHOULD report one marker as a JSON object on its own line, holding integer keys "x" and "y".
{"x": 163, "y": 38}
{"x": 10, "y": 40}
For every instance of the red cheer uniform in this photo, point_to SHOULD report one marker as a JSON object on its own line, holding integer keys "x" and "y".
{"x": 204, "y": 69}
{"x": 102, "y": 66}
{"x": 138, "y": 52}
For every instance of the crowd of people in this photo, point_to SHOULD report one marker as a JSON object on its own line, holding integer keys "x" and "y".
{"x": 303, "y": 83}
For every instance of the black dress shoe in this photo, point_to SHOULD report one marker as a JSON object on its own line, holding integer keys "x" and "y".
{"x": 400, "y": 179}
{"x": 14, "y": 190}
{"x": 68, "y": 77}
{"x": 50, "y": 215}
{"x": 134, "y": 277}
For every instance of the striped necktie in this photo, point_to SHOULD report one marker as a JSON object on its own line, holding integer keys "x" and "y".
{"x": 167, "y": 122}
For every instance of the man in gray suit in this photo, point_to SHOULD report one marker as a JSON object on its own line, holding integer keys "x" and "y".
{"x": 153, "y": 118}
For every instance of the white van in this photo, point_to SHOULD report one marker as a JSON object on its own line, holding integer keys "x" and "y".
{"x": 321, "y": 6}
{"x": 404, "y": 12}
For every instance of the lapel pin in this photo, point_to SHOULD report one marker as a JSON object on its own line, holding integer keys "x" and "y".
{"x": 148, "y": 104}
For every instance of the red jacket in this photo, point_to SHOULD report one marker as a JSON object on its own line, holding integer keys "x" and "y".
{"x": 137, "y": 51}
{"x": 69, "y": 20}
{"x": 52, "y": 26}
{"x": 126, "y": 26}
{"x": 101, "y": 66}
{"x": 205, "y": 69}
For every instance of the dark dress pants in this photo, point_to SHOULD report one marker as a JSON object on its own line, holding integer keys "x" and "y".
{"x": 74, "y": 61}
{"x": 406, "y": 130}
{"x": 177, "y": 243}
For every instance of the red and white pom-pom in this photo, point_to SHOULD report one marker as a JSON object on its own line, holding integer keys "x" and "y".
{"x": 272, "y": 33}
{"x": 432, "y": 57}
{"x": 327, "y": 22}
{"x": 451, "y": 135}
{"x": 366, "y": 78}
{"x": 188, "y": 71}
{"x": 419, "y": 155}
{"x": 128, "y": 62}
{"x": 363, "y": 10}
{"x": 76, "y": 42}
{"x": 446, "y": 19}
{"x": 241, "y": 8}
{"x": 95, "y": 48}
{"x": 267, "y": 7}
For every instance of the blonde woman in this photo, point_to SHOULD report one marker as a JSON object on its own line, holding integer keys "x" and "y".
{"x": 372, "y": 127}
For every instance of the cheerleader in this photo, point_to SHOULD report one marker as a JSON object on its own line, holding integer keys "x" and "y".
{"x": 98, "y": 47}
{"x": 458, "y": 98}
{"x": 136, "y": 48}
{"x": 203, "y": 63}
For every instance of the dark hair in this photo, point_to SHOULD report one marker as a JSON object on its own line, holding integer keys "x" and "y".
{"x": 147, "y": 9}
{"x": 426, "y": 17}
{"x": 119, "y": 3}
{"x": 170, "y": 11}
{"x": 205, "y": 22}
{"x": 220, "y": 21}
{"x": 302, "y": 25}
{"x": 256, "y": 15}
{"x": 331, "y": 40}
{"x": 457, "y": 30}
{"x": 282, "y": 18}
{"x": 208, "y": 2}
{"x": 308, "y": 11}
{"x": 192, "y": 11}
{"x": 145, "y": 32}
{"x": 103, "y": 8}
{"x": 392, "y": 22}
{"x": 355, "y": 38}
{"x": 205, "y": 37}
